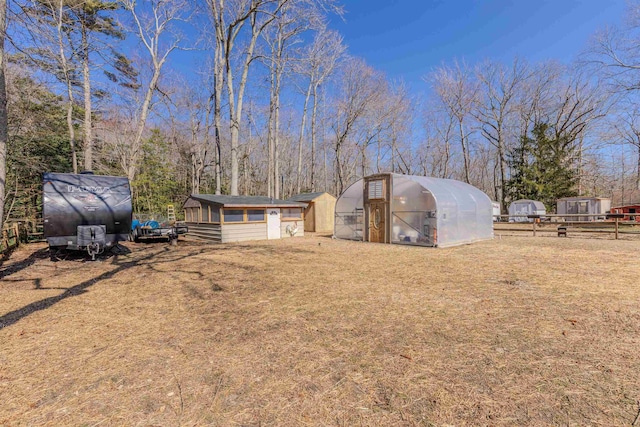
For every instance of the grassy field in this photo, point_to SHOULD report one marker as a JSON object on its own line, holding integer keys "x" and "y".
{"x": 320, "y": 332}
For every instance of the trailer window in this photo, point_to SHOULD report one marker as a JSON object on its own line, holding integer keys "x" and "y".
{"x": 255, "y": 215}
{"x": 291, "y": 213}
{"x": 233, "y": 215}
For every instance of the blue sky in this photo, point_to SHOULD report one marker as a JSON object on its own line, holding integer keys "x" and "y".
{"x": 409, "y": 38}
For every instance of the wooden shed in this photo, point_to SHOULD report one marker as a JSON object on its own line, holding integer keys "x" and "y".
{"x": 581, "y": 205}
{"x": 236, "y": 218}
{"x": 632, "y": 212}
{"x": 319, "y": 213}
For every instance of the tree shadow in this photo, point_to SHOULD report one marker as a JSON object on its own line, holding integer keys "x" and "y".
{"x": 21, "y": 265}
{"x": 166, "y": 255}
{"x": 19, "y": 314}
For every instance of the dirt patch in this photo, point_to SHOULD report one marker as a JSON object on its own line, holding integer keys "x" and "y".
{"x": 315, "y": 331}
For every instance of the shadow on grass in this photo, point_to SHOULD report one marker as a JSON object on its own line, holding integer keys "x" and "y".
{"x": 25, "y": 263}
{"x": 19, "y": 314}
{"x": 166, "y": 255}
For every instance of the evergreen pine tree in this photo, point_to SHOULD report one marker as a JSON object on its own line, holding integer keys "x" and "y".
{"x": 542, "y": 168}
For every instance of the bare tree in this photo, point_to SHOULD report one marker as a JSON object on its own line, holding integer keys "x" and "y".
{"x": 457, "y": 91}
{"x": 358, "y": 92}
{"x": 401, "y": 108}
{"x": 228, "y": 20}
{"x": 497, "y": 103}
{"x": 615, "y": 52}
{"x": 191, "y": 113}
{"x": 627, "y": 127}
{"x": 436, "y": 152}
{"x": 317, "y": 63}
{"x": 154, "y": 27}
{"x": 292, "y": 20}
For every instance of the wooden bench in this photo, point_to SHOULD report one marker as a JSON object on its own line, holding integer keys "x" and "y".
{"x": 562, "y": 231}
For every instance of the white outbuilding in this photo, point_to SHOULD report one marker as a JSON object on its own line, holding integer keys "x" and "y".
{"x": 520, "y": 210}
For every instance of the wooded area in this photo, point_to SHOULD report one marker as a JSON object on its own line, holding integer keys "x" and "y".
{"x": 261, "y": 97}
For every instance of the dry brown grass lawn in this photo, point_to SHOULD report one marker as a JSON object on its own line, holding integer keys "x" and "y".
{"x": 314, "y": 331}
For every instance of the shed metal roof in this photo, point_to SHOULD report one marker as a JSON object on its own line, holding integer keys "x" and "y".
{"x": 241, "y": 201}
{"x": 538, "y": 204}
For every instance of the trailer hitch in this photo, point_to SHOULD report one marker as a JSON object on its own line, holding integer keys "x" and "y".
{"x": 93, "y": 249}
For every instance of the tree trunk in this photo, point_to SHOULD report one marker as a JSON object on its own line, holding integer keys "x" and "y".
{"x": 65, "y": 70}
{"x": 314, "y": 115}
{"x": 638, "y": 170}
{"x": 301, "y": 139}
{"x": 270, "y": 138}
{"x": 4, "y": 133}
{"x": 88, "y": 133}
{"x": 276, "y": 139}
{"x": 217, "y": 112}
{"x": 136, "y": 144}
{"x": 465, "y": 153}
{"x": 235, "y": 109}
{"x": 502, "y": 162}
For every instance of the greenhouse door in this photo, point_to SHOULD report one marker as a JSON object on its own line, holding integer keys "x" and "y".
{"x": 377, "y": 221}
{"x": 376, "y": 206}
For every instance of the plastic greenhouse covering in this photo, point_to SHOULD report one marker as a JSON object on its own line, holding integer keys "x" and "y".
{"x": 423, "y": 211}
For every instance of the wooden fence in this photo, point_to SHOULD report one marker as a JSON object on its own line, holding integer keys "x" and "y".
{"x": 17, "y": 231}
{"x": 565, "y": 225}
{"x": 10, "y": 237}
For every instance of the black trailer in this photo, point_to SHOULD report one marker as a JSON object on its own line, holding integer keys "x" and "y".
{"x": 85, "y": 211}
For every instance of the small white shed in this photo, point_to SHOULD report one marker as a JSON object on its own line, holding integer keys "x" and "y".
{"x": 596, "y": 206}
{"x": 237, "y": 218}
{"x": 518, "y": 210}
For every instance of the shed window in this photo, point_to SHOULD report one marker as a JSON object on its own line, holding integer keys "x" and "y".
{"x": 215, "y": 214}
{"x": 376, "y": 189}
{"x": 255, "y": 214}
{"x": 583, "y": 207}
{"x": 233, "y": 215}
{"x": 187, "y": 214}
{"x": 291, "y": 213}
{"x": 205, "y": 213}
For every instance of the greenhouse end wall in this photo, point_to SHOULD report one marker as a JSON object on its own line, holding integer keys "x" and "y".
{"x": 423, "y": 211}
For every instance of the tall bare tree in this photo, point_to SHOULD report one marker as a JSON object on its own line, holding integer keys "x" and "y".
{"x": 358, "y": 92}
{"x": 317, "y": 63}
{"x": 457, "y": 92}
{"x": 228, "y": 20}
{"x": 292, "y": 20}
{"x": 497, "y": 103}
{"x": 154, "y": 26}
{"x": 627, "y": 127}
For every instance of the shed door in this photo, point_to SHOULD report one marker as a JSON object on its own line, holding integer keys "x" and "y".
{"x": 377, "y": 221}
{"x": 273, "y": 223}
